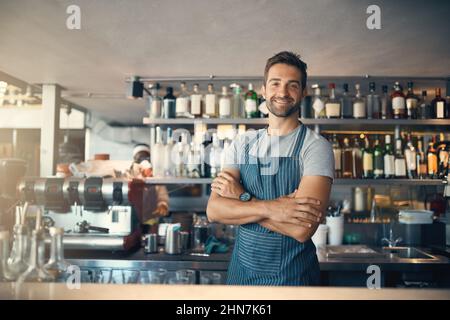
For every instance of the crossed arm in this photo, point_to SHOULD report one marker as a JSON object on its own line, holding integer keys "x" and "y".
{"x": 297, "y": 215}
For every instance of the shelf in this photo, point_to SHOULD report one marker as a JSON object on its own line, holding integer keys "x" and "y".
{"x": 354, "y": 182}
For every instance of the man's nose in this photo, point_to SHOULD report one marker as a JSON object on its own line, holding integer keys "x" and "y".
{"x": 283, "y": 91}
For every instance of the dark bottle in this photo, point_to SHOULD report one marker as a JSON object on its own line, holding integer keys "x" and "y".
{"x": 398, "y": 102}
{"x": 367, "y": 155}
{"x": 347, "y": 160}
{"x": 373, "y": 103}
{"x": 432, "y": 159}
{"x": 346, "y": 103}
{"x": 386, "y": 106}
{"x": 421, "y": 163}
{"x": 439, "y": 106}
{"x": 357, "y": 159}
{"x": 412, "y": 102}
{"x": 424, "y": 107}
{"x": 442, "y": 151}
{"x": 378, "y": 160}
{"x": 169, "y": 104}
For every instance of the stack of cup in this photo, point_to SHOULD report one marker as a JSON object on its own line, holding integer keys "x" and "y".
{"x": 335, "y": 230}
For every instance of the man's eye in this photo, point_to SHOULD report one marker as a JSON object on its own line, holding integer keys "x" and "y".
{"x": 275, "y": 84}
{"x": 294, "y": 85}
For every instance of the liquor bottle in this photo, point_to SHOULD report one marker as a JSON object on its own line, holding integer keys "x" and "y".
{"x": 412, "y": 102}
{"x": 318, "y": 104}
{"x": 378, "y": 160}
{"x": 306, "y": 107}
{"x": 182, "y": 105}
{"x": 386, "y": 106}
{"x": 357, "y": 159}
{"x": 432, "y": 159}
{"x": 193, "y": 162}
{"x": 359, "y": 104}
{"x": 400, "y": 162}
{"x": 225, "y": 104}
{"x": 410, "y": 157}
{"x": 157, "y": 155}
{"x": 251, "y": 103}
{"x": 57, "y": 266}
{"x": 155, "y": 102}
{"x": 215, "y": 156}
{"x": 332, "y": 105}
{"x": 389, "y": 159}
{"x": 438, "y": 106}
{"x": 421, "y": 163}
{"x": 238, "y": 103}
{"x": 196, "y": 102}
{"x": 337, "y": 151}
{"x": 346, "y": 103}
{"x": 367, "y": 155}
{"x": 169, "y": 104}
{"x": 373, "y": 103}
{"x": 398, "y": 102}
{"x": 424, "y": 106}
{"x": 442, "y": 150}
{"x": 211, "y": 105}
{"x": 347, "y": 159}
{"x": 168, "y": 161}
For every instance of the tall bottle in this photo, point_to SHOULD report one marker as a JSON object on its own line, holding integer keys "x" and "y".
{"x": 215, "y": 156}
{"x": 424, "y": 106}
{"x": 400, "y": 161}
{"x": 421, "y": 163}
{"x": 155, "y": 102}
{"x": 182, "y": 105}
{"x": 57, "y": 266}
{"x": 251, "y": 103}
{"x": 359, "y": 104}
{"x": 367, "y": 155}
{"x": 398, "y": 102}
{"x": 225, "y": 104}
{"x": 168, "y": 166}
{"x": 438, "y": 106}
{"x": 346, "y": 103}
{"x": 238, "y": 103}
{"x": 193, "y": 162}
{"x": 389, "y": 158}
{"x": 373, "y": 103}
{"x": 357, "y": 159}
{"x": 196, "y": 102}
{"x": 5, "y": 273}
{"x": 432, "y": 159}
{"x": 442, "y": 150}
{"x": 157, "y": 155}
{"x": 386, "y": 106}
{"x": 347, "y": 159}
{"x": 378, "y": 160}
{"x": 410, "y": 157}
{"x": 318, "y": 104}
{"x": 332, "y": 105}
{"x": 337, "y": 151}
{"x": 169, "y": 101}
{"x": 211, "y": 105}
{"x": 412, "y": 102}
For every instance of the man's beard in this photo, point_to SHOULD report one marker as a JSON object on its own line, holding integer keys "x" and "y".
{"x": 286, "y": 111}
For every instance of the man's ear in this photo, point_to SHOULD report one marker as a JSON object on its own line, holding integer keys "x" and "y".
{"x": 263, "y": 91}
{"x": 305, "y": 92}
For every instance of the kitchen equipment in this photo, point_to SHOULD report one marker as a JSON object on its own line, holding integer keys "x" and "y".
{"x": 184, "y": 235}
{"x": 173, "y": 239}
{"x": 151, "y": 243}
{"x": 335, "y": 230}
{"x": 415, "y": 216}
{"x": 352, "y": 251}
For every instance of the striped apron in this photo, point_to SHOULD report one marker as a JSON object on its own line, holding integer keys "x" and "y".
{"x": 261, "y": 256}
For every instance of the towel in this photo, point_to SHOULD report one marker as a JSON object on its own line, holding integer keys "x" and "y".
{"x": 213, "y": 245}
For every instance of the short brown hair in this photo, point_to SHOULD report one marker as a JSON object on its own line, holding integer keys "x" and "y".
{"x": 291, "y": 59}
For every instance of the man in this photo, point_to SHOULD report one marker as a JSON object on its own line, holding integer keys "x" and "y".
{"x": 276, "y": 186}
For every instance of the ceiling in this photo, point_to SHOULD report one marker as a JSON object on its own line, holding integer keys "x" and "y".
{"x": 120, "y": 38}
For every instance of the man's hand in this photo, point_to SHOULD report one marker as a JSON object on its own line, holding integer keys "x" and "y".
{"x": 227, "y": 186}
{"x": 161, "y": 210}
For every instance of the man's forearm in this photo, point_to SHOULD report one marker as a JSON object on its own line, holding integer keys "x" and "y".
{"x": 299, "y": 233}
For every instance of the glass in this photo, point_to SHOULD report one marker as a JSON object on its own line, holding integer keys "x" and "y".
{"x": 157, "y": 276}
{"x": 211, "y": 278}
{"x": 101, "y": 276}
{"x": 186, "y": 274}
{"x": 5, "y": 274}
{"x": 119, "y": 276}
{"x": 87, "y": 276}
{"x": 56, "y": 265}
{"x": 17, "y": 261}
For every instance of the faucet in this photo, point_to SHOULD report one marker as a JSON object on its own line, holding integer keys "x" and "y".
{"x": 391, "y": 242}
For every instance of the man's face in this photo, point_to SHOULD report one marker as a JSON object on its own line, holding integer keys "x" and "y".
{"x": 283, "y": 90}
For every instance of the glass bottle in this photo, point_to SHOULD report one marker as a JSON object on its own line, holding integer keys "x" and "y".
{"x": 421, "y": 163}
{"x": 193, "y": 162}
{"x": 438, "y": 106}
{"x": 386, "y": 106}
{"x": 168, "y": 161}
{"x": 389, "y": 158}
{"x": 424, "y": 106}
{"x": 169, "y": 104}
{"x": 225, "y": 104}
{"x": 57, "y": 266}
{"x": 412, "y": 102}
{"x": 400, "y": 162}
{"x": 398, "y": 102}
{"x": 238, "y": 103}
{"x": 373, "y": 103}
{"x": 35, "y": 271}
{"x": 337, "y": 151}
{"x": 17, "y": 261}
{"x": 210, "y": 103}
{"x": 251, "y": 103}
{"x": 215, "y": 156}
{"x": 332, "y": 105}
{"x": 442, "y": 151}
{"x": 347, "y": 160}
{"x": 196, "y": 102}
{"x": 157, "y": 155}
{"x": 155, "y": 102}
{"x": 357, "y": 159}
{"x": 378, "y": 160}
{"x": 318, "y": 104}
{"x": 359, "y": 104}
{"x": 5, "y": 273}
{"x": 346, "y": 103}
{"x": 432, "y": 159}
{"x": 410, "y": 157}
{"x": 367, "y": 155}
{"x": 182, "y": 103}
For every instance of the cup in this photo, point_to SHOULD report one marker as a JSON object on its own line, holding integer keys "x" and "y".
{"x": 335, "y": 230}
{"x": 173, "y": 239}
{"x": 151, "y": 243}
{"x": 320, "y": 237}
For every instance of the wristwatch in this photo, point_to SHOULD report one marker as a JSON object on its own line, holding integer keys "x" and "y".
{"x": 245, "y": 196}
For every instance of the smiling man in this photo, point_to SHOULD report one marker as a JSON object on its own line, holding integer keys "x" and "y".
{"x": 275, "y": 185}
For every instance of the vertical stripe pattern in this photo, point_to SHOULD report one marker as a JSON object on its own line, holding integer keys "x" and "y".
{"x": 261, "y": 256}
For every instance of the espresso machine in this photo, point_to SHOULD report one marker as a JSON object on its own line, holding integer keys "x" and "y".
{"x": 96, "y": 213}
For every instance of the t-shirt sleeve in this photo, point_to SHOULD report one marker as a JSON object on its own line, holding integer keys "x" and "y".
{"x": 318, "y": 157}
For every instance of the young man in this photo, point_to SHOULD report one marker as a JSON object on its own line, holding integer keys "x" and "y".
{"x": 276, "y": 186}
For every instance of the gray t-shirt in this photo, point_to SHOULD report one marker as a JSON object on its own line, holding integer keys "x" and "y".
{"x": 316, "y": 155}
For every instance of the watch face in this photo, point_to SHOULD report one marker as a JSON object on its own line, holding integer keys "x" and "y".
{"x": 245, "y": 196}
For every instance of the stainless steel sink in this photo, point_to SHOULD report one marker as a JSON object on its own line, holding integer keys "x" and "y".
{"x": 407, "y": 253}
